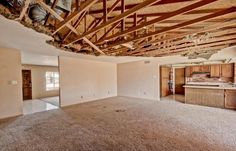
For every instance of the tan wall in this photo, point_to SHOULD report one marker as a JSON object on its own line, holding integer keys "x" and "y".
{"x": 84, "y": 80}
{"x": 10, "y": 93}
{"x": 138, "y": 79}
{"x": 39, "y": 81}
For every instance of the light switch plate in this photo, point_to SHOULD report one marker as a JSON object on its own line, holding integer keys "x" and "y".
{"x": 13, "y": 82}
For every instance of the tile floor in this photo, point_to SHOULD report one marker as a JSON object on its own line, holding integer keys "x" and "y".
{"x": 36, "y": 105}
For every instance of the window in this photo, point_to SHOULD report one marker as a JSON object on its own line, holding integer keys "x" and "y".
{"x": 52, "y": 81}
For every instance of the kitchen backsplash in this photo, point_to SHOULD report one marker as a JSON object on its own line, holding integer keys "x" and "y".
{"x": 205, "y": 77}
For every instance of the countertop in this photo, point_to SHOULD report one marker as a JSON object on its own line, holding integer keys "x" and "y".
{"x": 210, "y": 87}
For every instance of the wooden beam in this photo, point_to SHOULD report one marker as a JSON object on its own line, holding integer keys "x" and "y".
{"x": 135, "y": 23}
{"x": 109, "y": 11}
{"x": 104, "y": 11}
{"x": 208, "y": 46}
{"x": 75, "y": 25}
{"x": 47, "y": 8}
{"x": 113, "y": 27}
{"x": 216, "y": 41}
{"x": 84, "y": 7}
{"x": 133, "y": 5}
{"x": 193, "y": 12}
{"x": 52, "y": 7}
{"x": 206, "y": 29}
{"x": 122, "y": 11}
{"x": 118, "y": 18}
{"x": 159, "y": 19}
{"x": 212, "y": 48}
{"x": 24, "y": 10}
{"x": 183, "y": 40}
{"x": 177, "y": 26}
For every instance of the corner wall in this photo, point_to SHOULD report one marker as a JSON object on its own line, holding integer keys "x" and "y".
{"x": 138, "y": 79}
{"x": 10, "y": 83}
{"x": 84, "y": 80}
{"x": 39, "y": 81}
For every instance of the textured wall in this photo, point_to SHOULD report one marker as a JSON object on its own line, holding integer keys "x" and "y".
{"x": 10, "y": 83}
{"x": 138, "y": 79}
{"x": 83, "y": 80}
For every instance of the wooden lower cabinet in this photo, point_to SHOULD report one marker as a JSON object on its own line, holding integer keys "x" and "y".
{"x": 230, "y": 99}
{"x": 205, "y": 97}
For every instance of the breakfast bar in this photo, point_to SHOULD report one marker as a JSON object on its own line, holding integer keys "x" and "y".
{"x": 212, "y": 96}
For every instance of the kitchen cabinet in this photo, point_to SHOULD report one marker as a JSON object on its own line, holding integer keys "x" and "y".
{"x": 215, "y": 70}
{"x": 230, "y": 99}
{"x": 227, "y": 70}
{"x": 188, "y": 71}
{"x": 205, "y": 68}
{"x": 196, "y": 69}
{"x": 205, "y": 97}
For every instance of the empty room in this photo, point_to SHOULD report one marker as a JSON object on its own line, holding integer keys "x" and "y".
{"x": 117, "y": 75}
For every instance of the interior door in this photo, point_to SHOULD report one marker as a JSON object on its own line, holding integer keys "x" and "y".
{"x": 165, "y": 78}
{"x": 179, "y": 80}
{"x": 26, "y": 84}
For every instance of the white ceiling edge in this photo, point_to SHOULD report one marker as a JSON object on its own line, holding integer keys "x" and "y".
{"x": 35, "y": 50}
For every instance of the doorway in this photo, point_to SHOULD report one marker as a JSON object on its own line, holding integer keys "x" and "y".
{"x": 172, "y": 80}
{"x": 26, "y": 85}
{"x": 40, "y": 85}
{"x": 179, "y": 80}
{"x": 165, "y": 81}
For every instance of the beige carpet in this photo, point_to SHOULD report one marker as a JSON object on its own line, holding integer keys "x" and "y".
{"x": 123, "y": 124}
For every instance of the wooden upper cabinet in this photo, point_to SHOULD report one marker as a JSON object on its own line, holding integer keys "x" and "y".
{"x": 215, "y": 70}
{"x": 227, "y": 70}
{"x": 205, "y": 68}
{"x": 188, "y": 71}
{"x": 196, "y": 69}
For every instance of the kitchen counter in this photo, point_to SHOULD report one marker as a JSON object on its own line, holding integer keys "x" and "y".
{"x": 211, "y": 87}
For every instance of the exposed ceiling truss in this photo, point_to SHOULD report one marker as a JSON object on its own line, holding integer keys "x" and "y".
{"x": 140, "y": 27}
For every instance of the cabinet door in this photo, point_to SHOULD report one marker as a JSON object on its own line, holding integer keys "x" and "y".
{"x": 227, "y": 70}
{"x": 196, "y": 69}
{"x": 205, "y": 68}
{"x": 188, "y": 71}
{"x": 215, "y": 70}
{"x": 230, "y": 99}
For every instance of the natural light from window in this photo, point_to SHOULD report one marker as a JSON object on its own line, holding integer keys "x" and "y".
{"x": 52, "y": 81}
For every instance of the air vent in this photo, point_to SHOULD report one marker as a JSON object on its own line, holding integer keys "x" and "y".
{"x": 146, "y": 62}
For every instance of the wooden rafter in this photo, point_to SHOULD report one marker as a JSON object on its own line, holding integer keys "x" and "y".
{"x": 189, "y": 45}
{"x": 184, "y": 24}
{"x": 206, "y": 29}
{"x": 122, "y": 11}
{"x": 84, "y": 7}
{"x": 118, "y": 18}
{"x": 162, "y": 18}
{"x": 218, "y": 43}
{"x": 76, "y": 24}
{"x": 108, "y": 12}
{"x": 47, "y": 8}
{"x": 24, "y": 10}
{"x": 104, "y": 11}
{"x": 133, "y": 5}
{"x": 52, "y": 7}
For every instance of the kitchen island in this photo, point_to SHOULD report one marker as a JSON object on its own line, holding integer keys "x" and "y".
{"x": 212, "y": 96}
